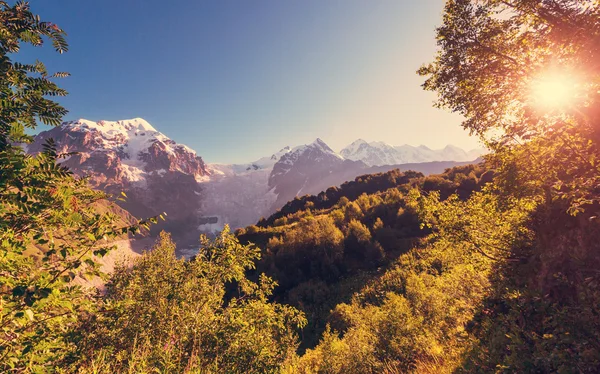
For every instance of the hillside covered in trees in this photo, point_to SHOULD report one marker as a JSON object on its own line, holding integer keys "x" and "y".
{"x": 484, "y": 268}
{"x": 327, "y": 246}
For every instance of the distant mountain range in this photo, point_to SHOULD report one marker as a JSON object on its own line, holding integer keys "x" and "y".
{"x": 157, "y": 174}
{"x": 380, "y": 153}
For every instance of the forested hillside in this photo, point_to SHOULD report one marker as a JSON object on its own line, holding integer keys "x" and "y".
{"x": 327, "y": 247}
{"x": 485, "y": 268}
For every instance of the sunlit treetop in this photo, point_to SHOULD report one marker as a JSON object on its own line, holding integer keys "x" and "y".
{"x": 525, "y": 74}
{"x": 507, "y": 63}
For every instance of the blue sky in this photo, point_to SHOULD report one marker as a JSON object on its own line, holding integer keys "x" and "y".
{"x": 238, "y": 80}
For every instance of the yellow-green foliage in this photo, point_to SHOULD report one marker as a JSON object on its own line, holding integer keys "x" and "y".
{"x": 51, "y": 223}
{"x": 321, "y": 257}
{"x": 173, "y": 315}
{"x": 415, "y": 316}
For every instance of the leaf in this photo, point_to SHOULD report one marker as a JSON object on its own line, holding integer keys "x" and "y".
{"x": 19, "y": 291}
{"x": 29, "y": 314}
{"x": 100, "y": 252}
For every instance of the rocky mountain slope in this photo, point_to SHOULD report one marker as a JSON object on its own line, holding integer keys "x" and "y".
{"x": 157, "y": 174}
{"x": 308, "y": 169}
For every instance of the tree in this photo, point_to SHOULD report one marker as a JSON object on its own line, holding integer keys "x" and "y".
{"x": 173, "y": 315}
{"x": 49, "y": 224}
{"x": 525, "y": 76}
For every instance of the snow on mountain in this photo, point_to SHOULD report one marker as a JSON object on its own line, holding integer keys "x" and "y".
{"x": 157, "y": 174}
{"x": 239, "y": 194}
{"x": 127, "y": 150}
{"x": 380, "y": 153}
{"x": 317, "y": 151}
{"x": 375, "y": 153}
{"x": 307, "y": 169}
{"x": 269, "y": 162}
{"x": 263, "y": 163}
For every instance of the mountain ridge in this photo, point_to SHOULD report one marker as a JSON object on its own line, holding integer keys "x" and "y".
{"x": 160, "y": 175}
{"x": 378, "y": 153}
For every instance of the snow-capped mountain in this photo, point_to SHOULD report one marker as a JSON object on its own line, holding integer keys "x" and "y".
{"x": 308, "y": 169}
{"x": 157, "y": 174}
{"x": 240, "y": 194}
{"x": 317, "y": 152}
{"x": 380, "y": 153}
{"x": 376, "y": 153}
{"x": 128, "y": 151}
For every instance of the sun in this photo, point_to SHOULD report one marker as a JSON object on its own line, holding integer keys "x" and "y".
{"x": 553, "y": 89}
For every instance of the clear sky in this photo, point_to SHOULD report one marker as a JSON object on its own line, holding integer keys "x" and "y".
{"x": 238, "y": 80}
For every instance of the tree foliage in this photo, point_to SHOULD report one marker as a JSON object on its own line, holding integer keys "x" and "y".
{"x": 323, "y": 254}
{"x": 493, "y": 54}
{"x": 414, "y": 317}
{"x": 49, "y": 225}
{"x": 172, "y": 315}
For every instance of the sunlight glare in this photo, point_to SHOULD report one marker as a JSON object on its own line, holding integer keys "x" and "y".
{"x": 554, "y": 90}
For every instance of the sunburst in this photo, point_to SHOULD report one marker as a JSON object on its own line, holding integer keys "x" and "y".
{"x": 554, "y": 90}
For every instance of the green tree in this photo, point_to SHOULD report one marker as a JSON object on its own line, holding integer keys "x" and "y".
{"x": 49, "y": 224}
{"x": 173, "y": 315}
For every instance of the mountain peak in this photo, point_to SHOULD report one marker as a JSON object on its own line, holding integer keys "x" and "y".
{"x": 128, "y": 150}
{"x": 321, "y": 146}
{"x": 320, "y": 143}
{"x": 379, "y": 153}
